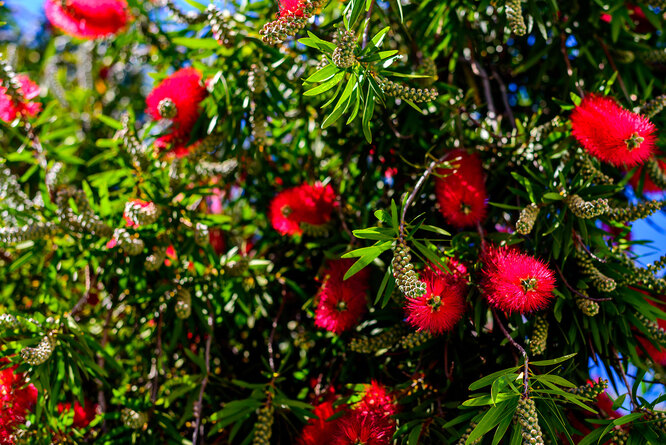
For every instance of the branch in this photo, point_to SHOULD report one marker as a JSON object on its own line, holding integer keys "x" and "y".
{"x": 526, "y": 369}
{"x": 271, "y": 354}
{"x": 412, "y": 195}
{"x": 614, "y": 67}
{"x": 158, "y": 355}
{"x": 198, "y": 408}
{"x": 575, "y": 291}
{"x": 485, "y": 80}
{"x": 563, "y": 48}
{"x": 505, "y": 97}
{"x": 620, "y": 368}
{"x": 366, "y": 30}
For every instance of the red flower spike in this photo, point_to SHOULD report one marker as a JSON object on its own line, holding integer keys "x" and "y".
{"x": 516, "y": 282}
{"x": 612, "y": 134}
{"x": 461, "y": 191}
{"x": 341, "y": 303}
{"x": 648, "y": 185}
{"x": 87, "y": 19}
{"x": 184, "y": 91}
{"x": 16, "y": 399}
{"x": 10, "y": 109}
{"x": 441, "y": 307}
{"x": 292, "y": 8}
{"x": 83, "y": 414}
{"x": 319, "y": 431}
{"x": 379, "y": 405}
{"x": 311, "y": 204}
{"x": 358, "y": 429}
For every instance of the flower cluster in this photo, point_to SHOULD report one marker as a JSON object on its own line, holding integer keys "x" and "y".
{"x": 443, "y": 303}
{"x": 515, "y": 282}
{"x": 341, "y": 303}
{"x": 304, "y": 204}
{"x": 83, "y": 414}
{"x": 10, "y": 108}
{"x": 461, "y": 191}
{"x": 87, "y": 19}
{"x": 612, "y": 134}
{"x": 16, "y": 399}
{"x": 649, "y": 186}
{"x": 369, "y": 421}
{"x": 177, "y": 99}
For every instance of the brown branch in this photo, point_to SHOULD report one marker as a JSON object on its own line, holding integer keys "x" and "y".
{"x": 366, "y": 30}
{"x": 563, "y": 48}
{"x": 505, "y": 97}
{"x": 478, "y": 69}
{"x": 614, "y": 67}
{"x": 198, "y": 408}
{"x": 526, "y": 369}
{"x": 412, "y": 195}
{"x": 271, "y": 353}
{"x": 158, "y": 356}
{"x": 620, "y": 368}
{"x": 575, "y": 291}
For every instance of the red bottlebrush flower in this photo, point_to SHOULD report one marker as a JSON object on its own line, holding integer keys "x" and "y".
{"x": 293, "y": 8}
{"x": 319, "y": 431}
{"x": 611, "y": 133}
{"x": 16, "y": 399}
{"x": 516, "y": 282}
{"x": 341, "y": 303}
{"x": 83, "y": 414}
{"x": 10, "y": 109}
{"x": 456, "y": 273}
{"x": 379, "y": 405}
{"x": 461, "y": 191}
{"x": 87, "y": 19}
{"x": 310, "y": 204}
{"x": 358, "y": 429}
{"x": 441, "y": 307}
{"x": 178, "y": 99}
{"x": 648, "y": 185}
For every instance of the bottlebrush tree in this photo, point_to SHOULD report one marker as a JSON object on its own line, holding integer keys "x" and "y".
{"x": 359, "y": 222}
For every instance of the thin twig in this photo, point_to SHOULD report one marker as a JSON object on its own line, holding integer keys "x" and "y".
{"x": 505, "y": 97}
{"x": 614, "y": 67}
{"x": 271, "y": 354}
{"x": 417, "y": 187}
{"x": 485, "y": 80}
{"x": 101, "y": 397}
{"x": 366, "y": 30}
{"x": 526, "y": 369}
{"x": 580, "y": 242}
{"x": 575, "y": 291}
{"x": 198, "y": 408}
{"x": 620, "y": 368}
{"x": 563, "y": 48}
{"x": 158, "y": 356}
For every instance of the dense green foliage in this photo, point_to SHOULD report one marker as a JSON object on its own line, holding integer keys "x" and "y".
{"x": 326, "y": 105}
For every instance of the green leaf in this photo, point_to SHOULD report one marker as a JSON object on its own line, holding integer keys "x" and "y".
{"x": 490, "y": 420}
{"x": 367, "y": 255}
{"x": 554, "y": 361}
{"x": 196, "y": 43}
{"x": 111, "y": 122}
{"x": 487, "y": 380}
{"x": 368, "y": 111}
{"x": 323, "y": 74}
{"x": 325, "y": 86}
{"x": 374, "y": 233}
{"x": 343, "y": 102}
